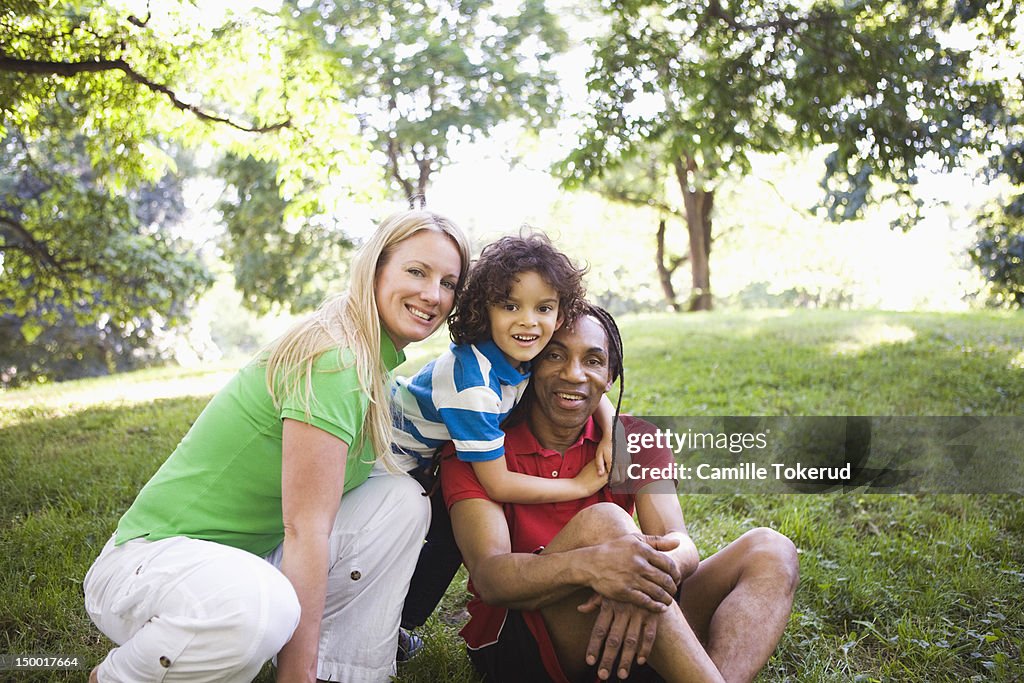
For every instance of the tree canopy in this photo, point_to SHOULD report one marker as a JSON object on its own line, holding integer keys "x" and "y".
{"x": 709, "y": 83}
{"x": 276, "y": 257}
{"x": 96, "y": 103}
{"x": 72, "y": 247}
{"x": 999, "y": 249}
{"x": 303, "y": 111}
{"x": 425, "y": 74}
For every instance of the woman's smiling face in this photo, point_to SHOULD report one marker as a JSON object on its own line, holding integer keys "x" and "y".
{"x": 415, "y": 286}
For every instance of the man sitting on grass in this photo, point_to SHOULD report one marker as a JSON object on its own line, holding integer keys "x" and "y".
{"x": 566, "y": 590}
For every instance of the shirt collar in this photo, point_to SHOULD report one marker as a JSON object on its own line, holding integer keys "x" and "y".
{"x": 500, "y": 364}
{"x": 390, "y": 356}
{"x": 522, "y": 434}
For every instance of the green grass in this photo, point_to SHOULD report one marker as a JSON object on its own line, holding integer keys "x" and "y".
{"x": 893, "y": 588}
{"x": 825, "y": 363}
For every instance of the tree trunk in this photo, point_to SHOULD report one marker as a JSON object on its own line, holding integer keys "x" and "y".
{"x": 425, "y": 167}
{"x": 394, "y": 152}
{"x": 665, "y": 271}
{"x": 698, "y": 203}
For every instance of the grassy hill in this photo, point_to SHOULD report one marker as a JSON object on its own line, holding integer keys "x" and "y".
{"x": 893, "y": 587}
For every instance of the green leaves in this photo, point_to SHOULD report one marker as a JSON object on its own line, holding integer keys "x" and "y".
{"x": 98, "y": 107}
{"x": 890, "y": 86}
{"x": 877, "y": 80}
{"x": 72, "y": 248}
{"x": 423, "y": 75}
{"x": 999, "y": 252}
{"x": 277, "y": 258}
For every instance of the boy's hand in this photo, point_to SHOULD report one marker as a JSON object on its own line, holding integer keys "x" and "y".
{"x": 604, "y": 456}
{"x": 590, "y": 480}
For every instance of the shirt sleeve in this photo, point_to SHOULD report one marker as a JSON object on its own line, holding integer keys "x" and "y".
{"x": 337, "y": 406}
{"x": 458, "y": 481}
{"x": 473, "y": 418}
{"x": 470, "y": 409}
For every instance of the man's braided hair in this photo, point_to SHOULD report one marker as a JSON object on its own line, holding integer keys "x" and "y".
{"x": 615, "y": 363}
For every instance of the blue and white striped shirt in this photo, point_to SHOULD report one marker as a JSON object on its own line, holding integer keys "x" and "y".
{"x": 462, "y": 396}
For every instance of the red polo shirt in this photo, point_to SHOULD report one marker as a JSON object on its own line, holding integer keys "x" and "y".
{"x": 533, "y": 526}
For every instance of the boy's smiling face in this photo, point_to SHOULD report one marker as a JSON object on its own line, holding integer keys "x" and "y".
{"x": 523, "y": 323}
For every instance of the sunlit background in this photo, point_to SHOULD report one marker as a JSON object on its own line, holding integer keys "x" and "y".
{"x": 773, "y": 246}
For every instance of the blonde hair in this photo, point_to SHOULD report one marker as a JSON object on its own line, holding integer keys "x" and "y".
{"x": 350, "y": 321}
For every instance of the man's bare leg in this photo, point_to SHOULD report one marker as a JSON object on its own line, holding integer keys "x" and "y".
{"x": 677, "y": 654}
{"x": 739, "y": 599}
{"x": 570, "y": 629}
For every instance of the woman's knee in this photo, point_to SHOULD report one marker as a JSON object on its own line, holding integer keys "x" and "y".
{"x": 217, "y": 631}
{"x": 253, "y": 618}
{"x": 282, "y": 616}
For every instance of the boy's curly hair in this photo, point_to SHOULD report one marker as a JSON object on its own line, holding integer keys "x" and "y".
{"x": 491, "y": 278}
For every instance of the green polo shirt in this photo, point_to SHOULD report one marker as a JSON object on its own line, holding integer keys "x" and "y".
{"x": 223, "y": 481}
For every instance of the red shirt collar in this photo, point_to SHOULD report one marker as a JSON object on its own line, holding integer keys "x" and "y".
{"x": 520, "y": 439}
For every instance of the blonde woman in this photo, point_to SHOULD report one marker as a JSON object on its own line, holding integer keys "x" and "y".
{"x": 262, "y": 533}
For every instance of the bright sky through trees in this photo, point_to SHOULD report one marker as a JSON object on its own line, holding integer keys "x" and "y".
{"x": 490, "y": 197}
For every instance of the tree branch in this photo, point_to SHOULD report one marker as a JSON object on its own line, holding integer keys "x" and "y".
{"x": 636, "y": 200}
{"x": 393, "y": 152}
{"x": 665, "y": 273}
{"x": 425, "y": 167}
{"x": 26, "y": 242}
{"x": 66, "y": 69}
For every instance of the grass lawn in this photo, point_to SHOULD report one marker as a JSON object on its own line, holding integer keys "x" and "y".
{"x": 893, "y": 588}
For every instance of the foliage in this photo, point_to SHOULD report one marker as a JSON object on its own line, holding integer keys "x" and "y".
{"x": 276, "y": 258}
{"x": 427, "y": 74}
{"x": 100, "y": 103}
{"x": 709, "y": 83}
{"x": 999, "y": 252}
{"x": 67, "y": 350}
{"x": 105, "y": 66}
{"x": 81, "y": 263}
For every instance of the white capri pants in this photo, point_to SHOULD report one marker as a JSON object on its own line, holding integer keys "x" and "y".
{"x": 182, "y": 609}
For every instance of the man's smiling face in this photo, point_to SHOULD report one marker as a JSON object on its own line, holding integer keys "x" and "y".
{"x": 571, "y": 375}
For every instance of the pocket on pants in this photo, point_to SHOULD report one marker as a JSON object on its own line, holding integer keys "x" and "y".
{"x": 157, "y": 648}
{"x": 347, "y": 576}
{"x": 104, "y": 585}
{"x": 122, "y": 586}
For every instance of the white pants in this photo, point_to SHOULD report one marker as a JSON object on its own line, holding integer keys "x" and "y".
{"x": 188, "y": 610}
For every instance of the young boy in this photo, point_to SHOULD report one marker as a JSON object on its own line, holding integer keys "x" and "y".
{"x": 518, "y": 293}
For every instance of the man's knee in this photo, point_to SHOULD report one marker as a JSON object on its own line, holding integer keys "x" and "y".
{"x": 768, "y": 551}
{"x": 598, "y": 523}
